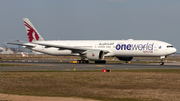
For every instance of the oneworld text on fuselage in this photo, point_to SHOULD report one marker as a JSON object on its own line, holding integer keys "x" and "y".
{"x": 140, "y": 47}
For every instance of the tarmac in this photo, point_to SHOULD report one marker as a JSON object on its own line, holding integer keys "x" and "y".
{"x": 57, "y": 66}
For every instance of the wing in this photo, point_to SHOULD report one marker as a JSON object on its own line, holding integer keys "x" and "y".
{"x": 19, "y": 41}
{"x": 74, "y": 49}
{"x": 61, "y": 47}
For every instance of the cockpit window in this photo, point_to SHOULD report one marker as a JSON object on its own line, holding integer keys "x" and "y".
{"x": 169, "y": 46}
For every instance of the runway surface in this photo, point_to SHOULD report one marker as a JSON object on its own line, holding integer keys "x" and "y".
{"x": 32, "y": 66}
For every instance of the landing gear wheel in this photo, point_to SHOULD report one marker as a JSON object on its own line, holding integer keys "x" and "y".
{"x": 86, "y": 61}
{"x": 83, "y": 61}
{"x": 100, "y": 62}
{"x": 78, "y": 61}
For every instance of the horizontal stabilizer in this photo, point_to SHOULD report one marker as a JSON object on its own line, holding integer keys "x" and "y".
{"x": 18, "y": 41}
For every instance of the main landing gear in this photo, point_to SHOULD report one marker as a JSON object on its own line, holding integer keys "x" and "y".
{"x": 87, "y": 61}
{"x": 83, "y": 61}
{"x": 96, "y": 62}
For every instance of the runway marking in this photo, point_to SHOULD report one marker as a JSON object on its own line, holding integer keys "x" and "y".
{"x": 104, "y": 65}
{"x": 100, "y": 65}
{"x": 25, "y": 68}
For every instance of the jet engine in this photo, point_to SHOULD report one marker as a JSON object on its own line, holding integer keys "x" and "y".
{"x": 95, "y": 55}
{"x": 125, "y": 58}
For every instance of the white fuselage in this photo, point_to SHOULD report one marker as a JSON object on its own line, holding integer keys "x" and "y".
{"x": 118, "y": 48}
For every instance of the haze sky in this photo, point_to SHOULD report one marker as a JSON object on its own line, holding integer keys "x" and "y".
{"x": 92, "y": 19}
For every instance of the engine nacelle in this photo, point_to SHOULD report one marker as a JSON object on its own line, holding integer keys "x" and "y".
{"x": 95, "y": 55}
{"x": 125, "y": 58}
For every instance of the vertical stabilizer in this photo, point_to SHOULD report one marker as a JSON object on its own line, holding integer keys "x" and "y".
{"x": 32, "y": 33}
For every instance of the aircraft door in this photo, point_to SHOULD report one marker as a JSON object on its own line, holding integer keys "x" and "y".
{"x": 156, "y": 47}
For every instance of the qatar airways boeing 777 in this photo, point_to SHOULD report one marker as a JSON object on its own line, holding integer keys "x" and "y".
{"x": 96, "y": 50}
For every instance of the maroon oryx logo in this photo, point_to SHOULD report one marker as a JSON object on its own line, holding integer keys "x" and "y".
{"x": 30, "y": 32}
{"x": 93, "y": 55}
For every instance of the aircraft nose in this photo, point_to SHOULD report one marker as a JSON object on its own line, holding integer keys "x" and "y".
{"x": 175, "y": 50}
{"x": 171, "y": 50}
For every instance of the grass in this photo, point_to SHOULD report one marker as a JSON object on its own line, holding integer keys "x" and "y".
{"x": 151, "y": 70}
{"x": 119, "y": 85}
{"x": 131, "y": 70}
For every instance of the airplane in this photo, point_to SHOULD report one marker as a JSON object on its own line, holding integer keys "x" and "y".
{"x": 95, "y": 50}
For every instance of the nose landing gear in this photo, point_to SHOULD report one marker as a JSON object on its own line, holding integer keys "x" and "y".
{"x": 161, "y": 63}
{"x": 162, "y": 60}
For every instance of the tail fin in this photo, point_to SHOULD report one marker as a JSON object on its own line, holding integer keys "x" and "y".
{"x": 32, "y": 33}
